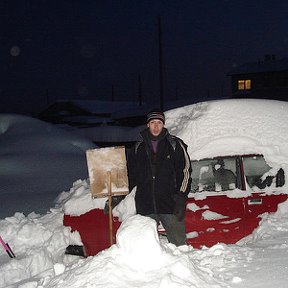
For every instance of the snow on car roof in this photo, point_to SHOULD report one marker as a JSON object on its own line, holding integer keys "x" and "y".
{"x": 233, "y": 127}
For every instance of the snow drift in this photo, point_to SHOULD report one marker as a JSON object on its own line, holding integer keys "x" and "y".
{"x": 38, "y": 161}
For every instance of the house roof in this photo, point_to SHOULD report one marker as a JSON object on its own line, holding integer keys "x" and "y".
{"x": 268, "y": 65}
{"x": 103, "y": 107}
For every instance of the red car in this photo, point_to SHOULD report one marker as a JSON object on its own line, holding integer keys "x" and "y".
{"x": 227, "y": 197}
{"x": 232, "y": 184}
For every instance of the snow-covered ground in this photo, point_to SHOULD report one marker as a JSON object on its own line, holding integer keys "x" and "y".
{"x": 140, "y": 258}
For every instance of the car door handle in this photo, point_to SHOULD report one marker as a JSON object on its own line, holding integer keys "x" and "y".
{"x": 257, "y": 201}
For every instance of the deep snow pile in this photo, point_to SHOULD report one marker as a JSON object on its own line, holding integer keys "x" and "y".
{"x": 38, "y": 242}
{"x": 38, "y": 161}
{"x": 137, "y": 260}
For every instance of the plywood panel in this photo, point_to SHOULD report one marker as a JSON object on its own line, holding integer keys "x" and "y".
{"x": 100, "y": 162}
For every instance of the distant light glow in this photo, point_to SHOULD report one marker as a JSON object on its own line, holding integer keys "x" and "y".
{"x": 15, "y": 51}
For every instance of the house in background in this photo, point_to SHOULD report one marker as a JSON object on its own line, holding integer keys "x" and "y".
{"x": 266, "y": 79}
{"x": 93, "y": 113}
{"x": 86, "y": 113}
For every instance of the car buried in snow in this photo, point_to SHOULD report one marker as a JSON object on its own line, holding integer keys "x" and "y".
{"x": 239, "y": 153}
{"x": 239, "y": 156}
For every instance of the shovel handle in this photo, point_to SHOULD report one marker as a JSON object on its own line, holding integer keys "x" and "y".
{"x": 10, "y": 252}
{"x": 4, "y": 244}
{"x": 7, "y": 248}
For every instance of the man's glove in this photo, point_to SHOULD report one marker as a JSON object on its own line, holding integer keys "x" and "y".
{"x": 180, "y": 207}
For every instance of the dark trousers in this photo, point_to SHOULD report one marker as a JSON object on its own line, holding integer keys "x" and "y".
{"x": 175, "y": 229}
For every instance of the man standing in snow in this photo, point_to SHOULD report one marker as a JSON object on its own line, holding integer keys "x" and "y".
{"x": 160, "y": 167}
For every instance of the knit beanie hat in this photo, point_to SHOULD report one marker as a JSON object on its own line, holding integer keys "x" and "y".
{"x": 156, "y": 114}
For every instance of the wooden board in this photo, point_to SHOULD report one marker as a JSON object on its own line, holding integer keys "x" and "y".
{"x": 102, "y": 161}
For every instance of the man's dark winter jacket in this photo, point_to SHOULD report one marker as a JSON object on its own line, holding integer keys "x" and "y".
{"x": 159, "y": 176}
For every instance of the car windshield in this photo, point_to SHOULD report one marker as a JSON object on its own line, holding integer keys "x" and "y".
{"x": 217, "y": 174}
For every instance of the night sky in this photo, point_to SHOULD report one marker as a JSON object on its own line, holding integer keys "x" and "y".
{"x": 79, "y": 49}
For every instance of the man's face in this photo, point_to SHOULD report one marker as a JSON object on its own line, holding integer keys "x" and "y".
{"x": 155, "y": 126}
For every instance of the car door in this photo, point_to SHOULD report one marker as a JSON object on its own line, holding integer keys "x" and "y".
{"x": 214, "y": 212}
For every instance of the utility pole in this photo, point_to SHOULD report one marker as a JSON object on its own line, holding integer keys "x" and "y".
{"x": 112, "y": 93}
{"x": 139, "y": 90}
{"x": 161, "y": 95}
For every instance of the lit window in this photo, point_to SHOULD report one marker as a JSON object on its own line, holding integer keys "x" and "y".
{"x": 244, "y": 84}
{"x": 247, "y": 84}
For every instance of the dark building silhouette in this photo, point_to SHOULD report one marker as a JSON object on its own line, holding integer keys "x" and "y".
{"x": 266, "y": 79}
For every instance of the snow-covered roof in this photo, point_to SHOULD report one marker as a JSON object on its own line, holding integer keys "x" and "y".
{"x": 112, "y": 134}
{"x": 104, "y": 107}
{"x": 261, "y": 66}
{"x": 88, "y": 119}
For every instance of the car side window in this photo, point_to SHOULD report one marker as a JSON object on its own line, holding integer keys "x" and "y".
{"x": 259, "y": 175}
{"x": 217, "y": 174}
